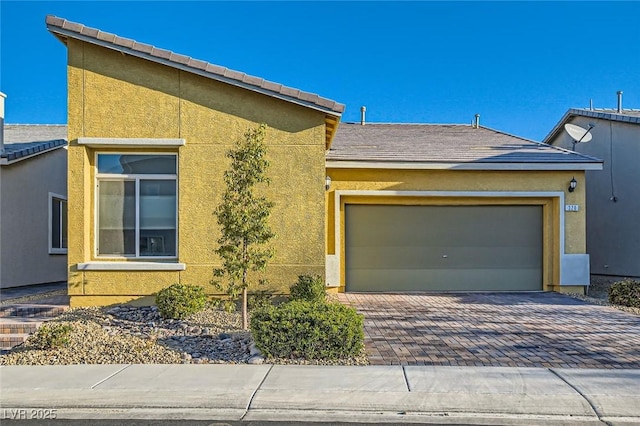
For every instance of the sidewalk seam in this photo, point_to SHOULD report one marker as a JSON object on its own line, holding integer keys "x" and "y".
{"x": 586, "y": 398}
{"x": 406, "y": 380}
{"x": 253, "y": 394}
{"x": 110, "y": 376}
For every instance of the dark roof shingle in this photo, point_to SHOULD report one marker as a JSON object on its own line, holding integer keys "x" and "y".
{"x": 441, "y": 143}
{"x": 24, "y": 140}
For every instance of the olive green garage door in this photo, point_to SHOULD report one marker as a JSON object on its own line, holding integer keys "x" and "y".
{"x": 443, "y": 248}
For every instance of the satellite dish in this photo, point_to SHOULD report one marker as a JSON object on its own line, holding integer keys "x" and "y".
{"x": 578, "y": 134}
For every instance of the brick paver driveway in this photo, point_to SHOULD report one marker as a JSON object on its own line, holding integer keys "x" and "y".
{"x": 504, "y": 329}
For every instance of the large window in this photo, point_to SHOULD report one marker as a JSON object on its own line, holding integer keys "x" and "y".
{"x": 136, "y": 213}
{"x": 57, "y": 224}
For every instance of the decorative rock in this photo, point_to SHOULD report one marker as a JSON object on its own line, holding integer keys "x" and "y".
{"x": 256, "y": 359}
{"x": 253, "y": 350}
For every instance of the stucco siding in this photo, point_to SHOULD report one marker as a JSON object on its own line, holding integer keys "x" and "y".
{"x": 613, "y": 228}
{"x": 25, "y": 220}
{"x": 124, "y": 97}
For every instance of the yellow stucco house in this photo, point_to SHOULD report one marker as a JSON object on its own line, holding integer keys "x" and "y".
{"x": 407, "y": 207}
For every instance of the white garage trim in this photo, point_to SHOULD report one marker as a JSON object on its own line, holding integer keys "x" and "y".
{"x": 572, "y": 267}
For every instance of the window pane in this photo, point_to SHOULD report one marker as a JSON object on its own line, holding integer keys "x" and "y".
{"x": 117, "y": 218}
{"x": 137, "y": 164}
{"x": 55, "y": 223}
{"x": 157, "y": 218}
{"x": 63, "y": 230}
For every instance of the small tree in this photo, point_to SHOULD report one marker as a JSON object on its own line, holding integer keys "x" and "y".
{"x": 243, "y": 217}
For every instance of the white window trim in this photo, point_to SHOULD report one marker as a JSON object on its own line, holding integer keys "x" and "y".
{"x": 131, "y": 266}
{"x": 96, "y": 207}
{"x": 55, "y": 250}
{"x": 131, "y": 142}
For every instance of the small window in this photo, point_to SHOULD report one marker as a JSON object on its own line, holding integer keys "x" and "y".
{"x": 57, "y": 224}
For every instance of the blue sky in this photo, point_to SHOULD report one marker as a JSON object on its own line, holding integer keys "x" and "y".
{"x": 519, "y": 65}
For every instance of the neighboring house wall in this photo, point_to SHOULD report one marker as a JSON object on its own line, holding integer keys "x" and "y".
{"x": 563, "y": 232}
{"x": 24, "y": 219}
{"x": 113, "y": 95}
{"x": 613, "y": 228}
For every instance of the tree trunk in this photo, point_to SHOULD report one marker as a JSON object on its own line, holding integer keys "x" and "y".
{"x": 245, "y": 316}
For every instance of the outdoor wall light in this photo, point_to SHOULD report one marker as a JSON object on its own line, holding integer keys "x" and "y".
{"x": 572, "y": 184}
{"x": 327, "y": 183}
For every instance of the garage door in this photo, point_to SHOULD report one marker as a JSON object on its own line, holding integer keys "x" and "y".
{"x": 443, "y": 248}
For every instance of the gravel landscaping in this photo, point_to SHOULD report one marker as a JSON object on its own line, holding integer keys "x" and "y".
{"x": 598, "y": 293}
{"x": 139, "y": 335}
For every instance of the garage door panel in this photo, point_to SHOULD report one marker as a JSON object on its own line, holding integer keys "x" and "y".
{"x": 441, "y": 279}
{"x": 461, "y": 225}
{"x": 433, "y": 257}
{"x": 438, "y": 248}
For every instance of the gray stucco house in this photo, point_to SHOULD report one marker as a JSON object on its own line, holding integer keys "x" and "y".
{"x": 33, "y": 188}
{"x": 613, "y": 194}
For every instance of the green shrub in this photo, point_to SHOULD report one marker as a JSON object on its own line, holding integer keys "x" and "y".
{"x": 309, "y": 288}
{"x": 259, "y": 299}
{"x": 179, "y": 301}
{"x": 51, "y": 336}
{"x": 625, "y": 293}
{"x": 302, "y": 329}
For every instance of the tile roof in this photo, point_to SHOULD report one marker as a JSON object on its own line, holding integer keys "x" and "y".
{"x": 63, "y": 28}
{"x": 25, "y": 140}
{"x": 631, "y": 116}
{"x": 441, "y": 143}
{"x": 611, "y": 114}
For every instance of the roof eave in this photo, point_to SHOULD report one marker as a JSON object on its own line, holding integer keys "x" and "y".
{"x": 558, "y": 127}
{"x": 414, "y": 165}
{"x": 5, "y": 161}
{"x": 575, "y": 112}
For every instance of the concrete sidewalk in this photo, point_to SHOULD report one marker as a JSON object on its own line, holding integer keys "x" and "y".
{"x": 31, "y": 290}
{"x": 395, "y": 394}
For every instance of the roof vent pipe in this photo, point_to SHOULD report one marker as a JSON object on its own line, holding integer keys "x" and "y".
{"x": 477, "y": 123}
{"x": 619, "y": 101}
{"x": 363, "y": 110}
{"x": 2, "y": 96}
